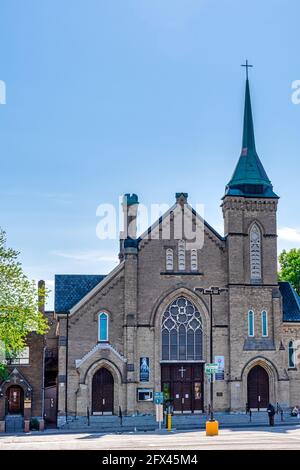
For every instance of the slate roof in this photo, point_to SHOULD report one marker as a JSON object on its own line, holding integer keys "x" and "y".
{"x": 291, "y": 302}
{"x": 71, "y": 288}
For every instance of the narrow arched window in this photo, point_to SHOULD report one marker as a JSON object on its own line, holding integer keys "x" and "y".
{"x": 194, "y": 260}
{"x": 250, "y": 323}
{"x": 255, "y": 253}
{"x": 103, "y": 326}
{"x": 264, "y": 323}
{"x": 169, "y": 259}
{"x": 292, "y": 355}
{"x": 181, "y": 255}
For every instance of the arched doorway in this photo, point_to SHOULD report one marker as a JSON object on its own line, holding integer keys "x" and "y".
{"x": 15, "y": 400}
{"x": 103, "y": 392}
{"x": 258, "y": 388}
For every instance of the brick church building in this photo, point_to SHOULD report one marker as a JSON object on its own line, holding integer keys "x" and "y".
{"x": 144, "y": 328}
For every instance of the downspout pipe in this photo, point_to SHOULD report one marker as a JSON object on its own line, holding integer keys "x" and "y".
{"x": 66, "y": 367}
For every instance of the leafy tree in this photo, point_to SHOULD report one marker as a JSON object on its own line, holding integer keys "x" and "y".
{"x": 3, "y": 372}
{"x": 20, "y": 303}
{"x": 290, "y": 267}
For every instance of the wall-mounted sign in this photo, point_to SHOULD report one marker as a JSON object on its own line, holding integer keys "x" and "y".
{"x": 27, "y": 403}
{"x": 144, "y": 369}
{"x": 145, "y": 394}
{"x": 221, "y": 367}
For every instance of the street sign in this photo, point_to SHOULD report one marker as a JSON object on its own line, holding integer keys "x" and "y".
{"x": 211, "y": 369}
{"x": 158, "y": 398}
{"x": 159, "y": 412}
{"x": 211, "y": 378}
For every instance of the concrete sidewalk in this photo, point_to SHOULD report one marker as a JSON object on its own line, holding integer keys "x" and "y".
{"x": 278, "y": 437}
{"x": 147, "y": 423}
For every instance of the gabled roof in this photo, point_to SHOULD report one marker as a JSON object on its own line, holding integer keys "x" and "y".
{"x": 71, "y": 288}
{"x": 249, "y": 178}
{"x": 290, "y": 301}
{"x": 167, "y": 214}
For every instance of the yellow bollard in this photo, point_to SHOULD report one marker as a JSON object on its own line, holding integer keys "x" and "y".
{"x": 169, "y": 421}
{"x": 212, "y": 428}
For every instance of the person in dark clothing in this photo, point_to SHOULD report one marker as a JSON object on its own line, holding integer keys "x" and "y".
{"x": 271, "y": 414}
{"x": 121, "y": 416}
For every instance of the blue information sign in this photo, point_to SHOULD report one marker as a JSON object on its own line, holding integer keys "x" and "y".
{"x": 158, "y": 398}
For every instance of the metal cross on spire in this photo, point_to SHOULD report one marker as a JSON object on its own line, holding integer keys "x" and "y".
{"x": 247, "y": 65}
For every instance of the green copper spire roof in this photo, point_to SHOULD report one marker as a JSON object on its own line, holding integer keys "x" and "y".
{"x": 249, "y": 178}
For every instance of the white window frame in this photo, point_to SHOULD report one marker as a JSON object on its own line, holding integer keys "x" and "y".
{"x": 251, "y": 313}
{"x": 262, "y": 324}
{"x": 107, "y": 327}
{"x": 21, "y": 359}
{"x": 181, "y": 255}
{"x": 169, "y": 259}
{"x": 194, "y": 259}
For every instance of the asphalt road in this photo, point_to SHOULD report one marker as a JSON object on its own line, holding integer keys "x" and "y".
{"x": 285, "y": 437}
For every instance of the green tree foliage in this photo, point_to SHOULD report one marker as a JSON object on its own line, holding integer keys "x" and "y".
{"x": 3, "y": 372}
{"x": 20, "y": 303}
{"x": 290, "y": 267}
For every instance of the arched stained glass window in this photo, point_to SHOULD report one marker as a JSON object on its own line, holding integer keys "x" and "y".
{"x": 264, "y": 323}
{"x": 250, "y": 323}
{"x": 181, "y": 332}
{"x": 102, "y": 326}
{"x": 169, "y": 259}
{"x": 255, "y": 253}
{"x": 292, "y": 355}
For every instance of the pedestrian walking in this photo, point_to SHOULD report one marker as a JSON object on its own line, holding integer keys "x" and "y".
{"x": 271, "y": 413}
{"x": 121, "y": 416}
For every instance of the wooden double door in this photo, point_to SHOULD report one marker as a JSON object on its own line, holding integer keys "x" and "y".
{"x": 258, "y": 388}
{"x": 103, "y": 392}
{"x": 183, "y": 384}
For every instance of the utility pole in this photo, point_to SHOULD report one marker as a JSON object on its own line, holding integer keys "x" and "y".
{"x": 211, "y": 291}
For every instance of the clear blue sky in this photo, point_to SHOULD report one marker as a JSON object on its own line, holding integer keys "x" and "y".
{"x": 145, "y": 96}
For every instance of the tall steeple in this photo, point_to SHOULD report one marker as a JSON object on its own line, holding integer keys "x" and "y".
{"x": 249, "y": 178}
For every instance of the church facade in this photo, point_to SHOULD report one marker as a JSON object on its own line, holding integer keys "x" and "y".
{"x": 145, "y": 327}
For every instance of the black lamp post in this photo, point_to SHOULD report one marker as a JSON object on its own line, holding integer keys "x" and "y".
{"x": 211, "y": 291}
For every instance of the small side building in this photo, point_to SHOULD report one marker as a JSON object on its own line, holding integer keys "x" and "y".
{"x": 22, "y": 393}
{"x": 28, "y": 395}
